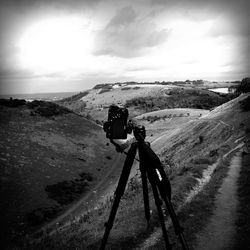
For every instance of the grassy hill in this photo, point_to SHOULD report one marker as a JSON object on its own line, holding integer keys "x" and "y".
{"x": 141, "y": 98}
{"x": 50, "y": 159}
{"x": 186, "y": 151}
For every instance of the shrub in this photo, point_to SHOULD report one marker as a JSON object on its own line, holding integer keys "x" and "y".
{"x": 179, "y": 99}
{"x": 12, "y": 102}
{"x": 213, "y": 153}
{"x": 100, "y": 86}
{"x": 245, "y": 104}
{"x": 244, "y": 86}
{"x": 47, "y": 109}
{"x": 126, "y": 88}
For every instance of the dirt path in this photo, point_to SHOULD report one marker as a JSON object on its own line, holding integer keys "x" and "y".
{"x": 220, "y": 232}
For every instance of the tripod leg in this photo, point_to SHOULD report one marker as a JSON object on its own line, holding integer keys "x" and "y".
{"x": 158, "y": 176}
{"x": 144, "y": 187}
{"x": 145, "y": 195}
{"x": 158, "y": 204}
{"x": 177, "y": 227}
{"x": 119, "y": 192}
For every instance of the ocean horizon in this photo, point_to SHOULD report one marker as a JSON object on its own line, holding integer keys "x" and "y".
{"x": 52, "y": 96}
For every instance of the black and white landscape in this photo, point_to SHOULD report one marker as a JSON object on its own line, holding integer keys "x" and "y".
{"x": 181, "y": 68}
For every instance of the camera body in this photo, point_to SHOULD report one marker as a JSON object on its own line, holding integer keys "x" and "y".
{"x": 116, "y": 127}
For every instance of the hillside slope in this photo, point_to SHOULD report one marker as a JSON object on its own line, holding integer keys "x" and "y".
{"x": 185, "y": 151}
{"x": 50, "y": 158}
{"x": 140, "y": 98}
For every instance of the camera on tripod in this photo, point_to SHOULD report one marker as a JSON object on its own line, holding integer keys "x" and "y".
{"x": 118, "y": 126}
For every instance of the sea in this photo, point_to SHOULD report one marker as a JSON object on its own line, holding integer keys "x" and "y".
{"x": 224, "y": 90}
{"x": 220, "y": 90}
{"x": 40, "y": 96}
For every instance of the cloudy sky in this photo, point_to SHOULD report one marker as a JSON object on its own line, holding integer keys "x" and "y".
{"x": 71, "y": 45}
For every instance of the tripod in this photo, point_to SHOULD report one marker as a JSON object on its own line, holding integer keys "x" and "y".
{"x": 151, "y": 169}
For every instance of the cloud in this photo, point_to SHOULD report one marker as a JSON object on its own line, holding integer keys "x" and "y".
{"x": 123, "y": 17}
{"x": 30, "y": 4}
{"x": 14, "y": 73}
{"x": 128, "y": 35}
{"x": 238, "y": 11}
{"x": 140, "y": 30}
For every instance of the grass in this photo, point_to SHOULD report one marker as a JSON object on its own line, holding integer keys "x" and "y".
{"x": 243, "y": 221}
{"x": 130, "y": 226}
{"x": 129, "y": 229}
{"x": 196, "y": 214}
{"x": 73, "y": 98}
{"x": 42, "y": 152}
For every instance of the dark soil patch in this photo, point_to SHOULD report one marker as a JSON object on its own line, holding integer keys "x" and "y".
{"x": 65, "y": 192}
{"x": 41, "y": 215}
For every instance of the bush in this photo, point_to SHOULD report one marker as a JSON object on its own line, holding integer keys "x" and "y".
{"x": 12, "y": 102}
{"x": 47, "y": 109}
{"x": 135, "y": 88}
{"x": 244, "y": 86}
{"x": 104, "y": 90}
{"x": 100, "y": 86}
{"x": 213, "y": 153}
{"x": 245, "y": 104}
{"x": 126, "y": 88}
{"x": 179, "y": 98}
